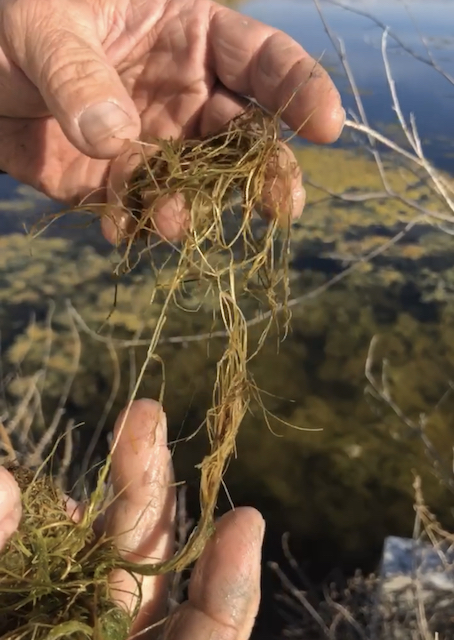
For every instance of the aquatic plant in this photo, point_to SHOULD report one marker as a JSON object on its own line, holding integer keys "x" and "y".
{"x": 54, "y": 571}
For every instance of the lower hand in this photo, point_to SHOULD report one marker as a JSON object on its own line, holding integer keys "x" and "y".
{"x": 224, "y": 590}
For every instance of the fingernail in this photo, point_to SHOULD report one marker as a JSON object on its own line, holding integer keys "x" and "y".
{"x": 104, "y": 120}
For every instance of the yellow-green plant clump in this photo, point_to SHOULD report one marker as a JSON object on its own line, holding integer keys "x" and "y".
{"x": 54, "y": 572}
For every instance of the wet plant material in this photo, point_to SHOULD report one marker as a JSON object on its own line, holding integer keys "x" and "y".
{"x": 223, "y": 184}
{"x": 54, "y": 571}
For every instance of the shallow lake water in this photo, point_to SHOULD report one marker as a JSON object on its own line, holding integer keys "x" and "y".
{"x": 420, "y": 88}
{"x": 345, "y": 484}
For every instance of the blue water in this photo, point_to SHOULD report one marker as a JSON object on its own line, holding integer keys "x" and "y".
{"x": 421, "y": 89}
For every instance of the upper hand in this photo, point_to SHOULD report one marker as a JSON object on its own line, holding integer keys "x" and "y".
{"x": 80, "y": 78}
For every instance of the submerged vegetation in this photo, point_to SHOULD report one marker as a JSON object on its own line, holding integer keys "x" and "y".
{"x": 350, "y": 473}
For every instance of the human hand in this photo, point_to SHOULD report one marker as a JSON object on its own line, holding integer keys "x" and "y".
{"x": 79, "y": 78}
{"x": 224, "y": 590}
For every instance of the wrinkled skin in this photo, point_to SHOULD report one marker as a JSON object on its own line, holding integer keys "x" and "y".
{"x": 224, "y": 592}
{"x": 173, "y": 67}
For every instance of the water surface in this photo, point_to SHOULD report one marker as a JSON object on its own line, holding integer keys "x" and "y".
{"x": 421, "y": 89}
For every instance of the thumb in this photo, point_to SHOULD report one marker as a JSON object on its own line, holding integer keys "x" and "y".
{"x": 62, "y": 55}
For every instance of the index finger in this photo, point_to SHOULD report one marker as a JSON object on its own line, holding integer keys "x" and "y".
{"x": 255, "y": 60}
